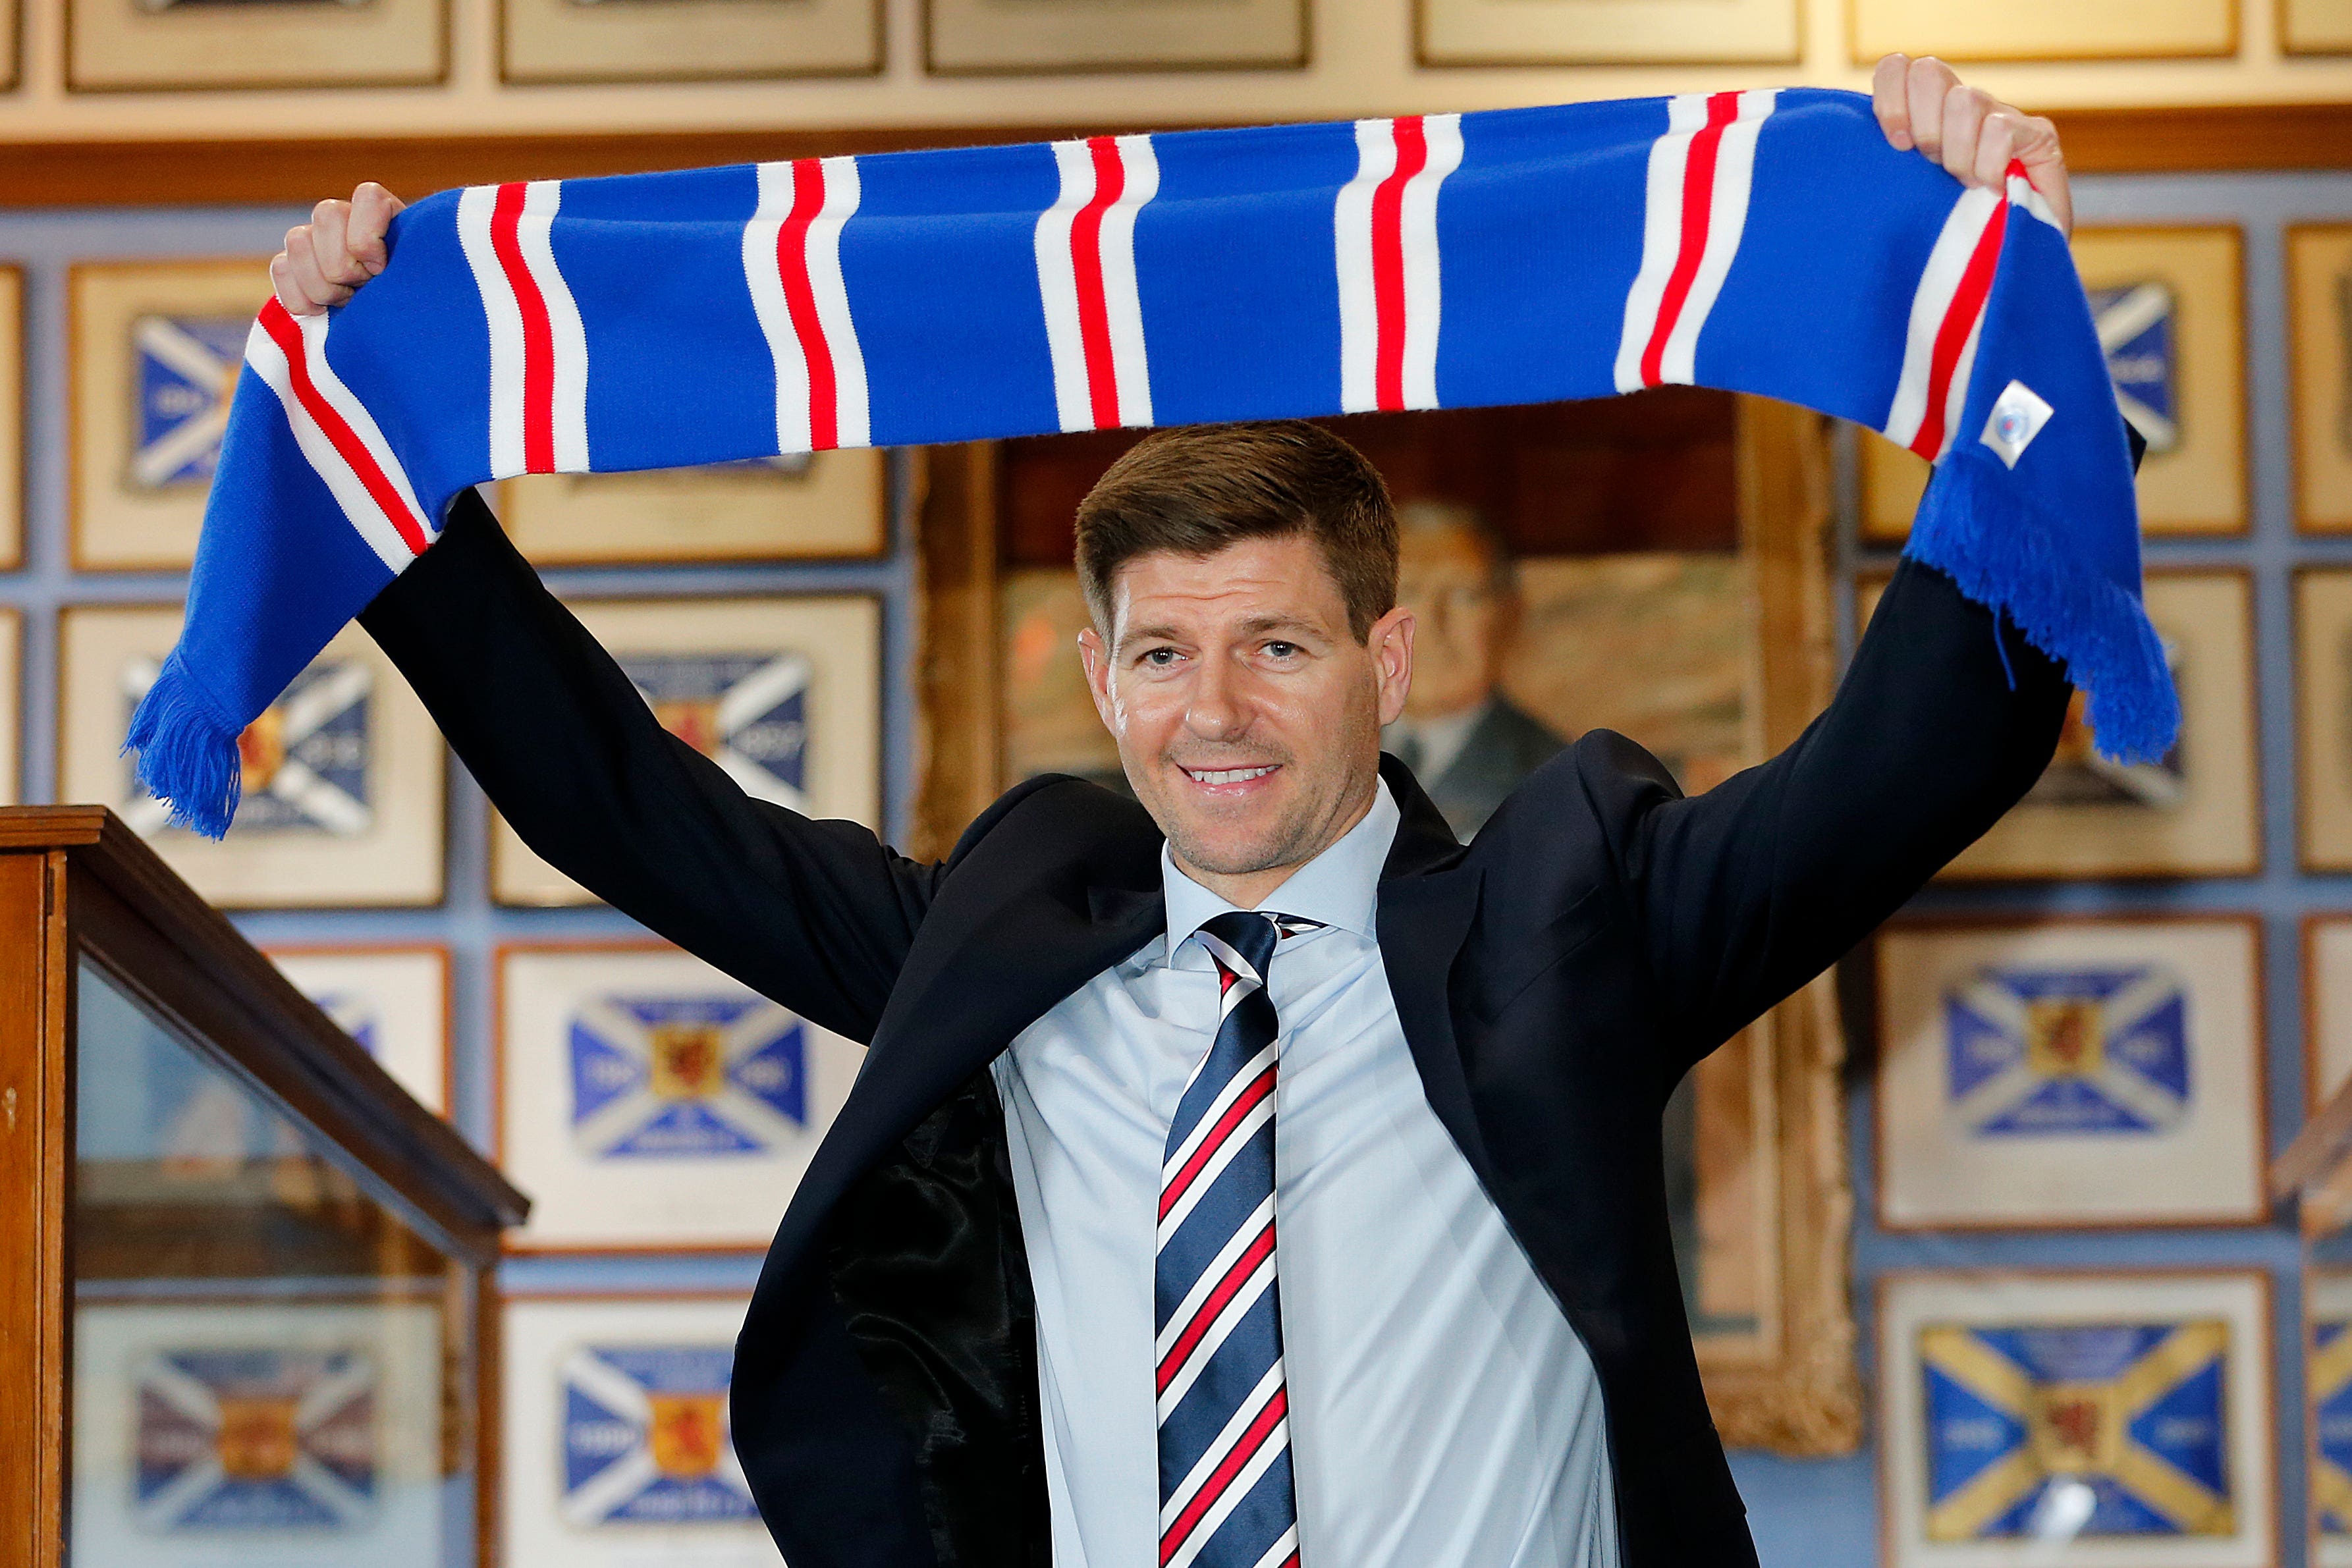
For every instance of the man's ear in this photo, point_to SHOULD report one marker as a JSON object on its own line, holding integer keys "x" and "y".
{"x": 1095, "y": 654}
{"x": 1391, "y": 643}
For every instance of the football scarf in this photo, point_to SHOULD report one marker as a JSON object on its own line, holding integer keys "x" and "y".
{"x": 1767, "y": 242}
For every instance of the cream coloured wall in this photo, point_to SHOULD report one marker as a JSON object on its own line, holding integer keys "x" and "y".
{"x": 1362, "y": 51}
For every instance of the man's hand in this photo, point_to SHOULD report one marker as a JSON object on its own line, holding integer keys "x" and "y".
{"x": 326, "y": 259}
{"x": 1922, "y": 104}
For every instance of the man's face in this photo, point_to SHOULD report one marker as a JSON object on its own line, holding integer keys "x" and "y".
{"x": 1462, "y": 623}
{"x": 1248, "y": 715}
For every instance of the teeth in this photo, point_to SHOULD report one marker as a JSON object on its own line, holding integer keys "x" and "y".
{"x": 1229, "y": 775}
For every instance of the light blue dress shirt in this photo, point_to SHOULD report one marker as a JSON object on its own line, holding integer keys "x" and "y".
{"x": 1443, "y": 1414}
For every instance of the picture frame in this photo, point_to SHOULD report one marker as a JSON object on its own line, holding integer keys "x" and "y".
{"x": 2008, "y": 1398}
{"x": 2314, "y": 27}
{"x": 2070, "y": 1071}
{"x": 12, "y": 704}
{"x": 2021, "y": 30}
{"x": 785, "y": 692}
{"x": 126, "y": 45}
{"x": 976, "y": 38}
{"x": 334, "y": 1409}
{"x": 2197, "y": 812}
{"x": 394, "y": 997}
{"x": 2327, "y": 1412}
{"x": 154, "y": 350}
{"x": 825, "y": 506}
{"x": 344, "y": 776}
{"x": 2320, "y": 359}
{"x": 616, "y": 1448}
{"x": 12, "y": 397}
{"x": 2327, "y": 1007}
{"x": 583, "y": 41}
{"x": 650, "y": 1103}
{"x": 2323, "y": 731}
{"x": 2169, "y": 305}
{"x": 1605, "y": 31}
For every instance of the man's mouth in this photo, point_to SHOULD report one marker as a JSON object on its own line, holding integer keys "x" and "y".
{"x": 1228, "y": 774}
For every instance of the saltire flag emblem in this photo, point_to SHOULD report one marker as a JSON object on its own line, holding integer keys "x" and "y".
{"x": 792, "y": 264}
{"x": 2330, "y": 1377}
{"x": 304, "y": 761}
{"x": 1086, "y": 279}
{"x": 645, "y": 1437}
{"x": 1701, "y": 176}
{"x": 686, "y": 1076}
{"x": 2135, "y": 327}
{"x": 746, "y": 712}
{"x": 1385, "y": 226}
{"x": 539, "y": 349}
{"x": 355, "y": 1015}
{"x": 2096, "y": 1049}
{"x": 256, "y": 1441}
{"x": 2021, "y": 1417}
{"x": 186, "y": 374}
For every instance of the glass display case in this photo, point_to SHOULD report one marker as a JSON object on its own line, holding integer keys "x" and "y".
{"x": 245, "y": 1314}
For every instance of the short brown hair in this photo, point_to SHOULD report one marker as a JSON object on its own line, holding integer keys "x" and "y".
{"x": 1197, "y": 488}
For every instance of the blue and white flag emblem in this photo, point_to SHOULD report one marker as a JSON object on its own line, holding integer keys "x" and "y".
{"x": 2089, "y": 1429}
{"x": 2038, "y": 1051}
{"x": 186, "y": 374}
{"x": 2134, "y": 326}
{"x": 2329, "y": 1377}
{"x": 645, "y": 1437}
{"x": 355, "y": 1015}
{"x": 256, "y": 1439}
{"x": 746, "y": 712}
{"x": 304, "y": 761}
{"x": 686, "y": 1076}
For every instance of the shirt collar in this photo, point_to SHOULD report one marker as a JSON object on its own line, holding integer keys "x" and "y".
{"x": 1339, "y": 887}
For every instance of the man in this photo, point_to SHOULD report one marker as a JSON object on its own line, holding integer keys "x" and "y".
{"x": 1467, "y": 742}
{"x": 1028, "y": 1305}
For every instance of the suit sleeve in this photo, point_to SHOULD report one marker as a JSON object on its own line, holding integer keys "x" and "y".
{"x": 1945, "y": 719}
{"x": 817, "y": 914}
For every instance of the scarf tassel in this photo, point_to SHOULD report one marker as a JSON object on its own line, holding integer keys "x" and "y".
{"x": 187, "y": 752}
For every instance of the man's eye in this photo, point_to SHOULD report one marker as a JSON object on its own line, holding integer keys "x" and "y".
{"x": 1160, "y": 657}
{"x": 1281, "y": 650}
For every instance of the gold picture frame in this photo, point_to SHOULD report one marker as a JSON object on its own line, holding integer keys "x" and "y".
{"x": 344, "y": 777}
{"x": 139, "y": 46}
{"x": 2029, "y": 30}
{"x": 785, "y": 692}
{"x": 11, "y": 417}
{"x": 1606, "y": 32}
{"x": 2323, "y": 731}
{"x": 2314, "y": 27}
{"x": 821, "y": 506}
{"x": 154, "y": 350}
{"x": 992, "y": 37}
{"x": 2319, "y": 354}
{"x": 2169, "y": 302}
{"x": 549, "y": 41}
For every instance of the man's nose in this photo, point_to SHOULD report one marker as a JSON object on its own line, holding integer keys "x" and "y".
{"x": 1215, "y": 711}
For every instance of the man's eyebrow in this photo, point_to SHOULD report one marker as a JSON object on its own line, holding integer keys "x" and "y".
{"x": 1258, "y": 624}
{"x": 1159, "y": 631}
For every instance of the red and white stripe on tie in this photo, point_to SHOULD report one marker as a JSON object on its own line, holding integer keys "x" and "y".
{"x": 1939, "y": 351}
{"x": 792, "y": 260}
{"x": 1385, "y": 228}
{"x": 1086, "y": 274}
{"x": 539, "y": 350}
{"x": 336, "y": 433}
{"x": 1701, "y": 174}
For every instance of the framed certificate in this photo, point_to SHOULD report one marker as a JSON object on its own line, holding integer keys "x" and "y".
{"x": 616, "y": 1449}
{"x": 2023, "y": 30}
{"x": 1605, "y": 31}
{"x": 343, "y": 775}
{"x": 817, "y": 506}
{"x": 2129, "y": 1412}
{"x": 2314, "y": 27}
{"x": 155, "y": 351}
{"x": 965, "y": 36}
{"x": 2327, "y": 1007}
{"x": 143, "y": 44}
{"x": 2323, "y": 732}
{"x": 650, "y": 1103}
{"x": 783, "y": 694}
{"x": 2319, "y": 349}
{"x": 687, "y": 40}
{"x": 2071, "y": 1072}
{"x": 394, "y": 998}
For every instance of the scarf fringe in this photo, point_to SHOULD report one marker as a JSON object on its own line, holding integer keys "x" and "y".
{"x": 187, "y": 752}
{"x": 2006, "y": 554}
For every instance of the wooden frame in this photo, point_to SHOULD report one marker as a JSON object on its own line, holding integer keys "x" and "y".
{"x": 1914, "y": 30}
{"x": 1578, "y": 32}
{"x": 309, "y": 49}
{"x": 2257, "y": 1088}
{"x": 12, "y": 416}
{"x": 2323, "y": 685}
{"x": 2256, "y": 1362}
{"x": 2321, "y": 39}
{"x": 554, "y": 41}
{"x": 2321, "y": 485}
{"x": 1166, "y": 39}
{"x": 677, "y": 514}
{"x": 437, "y": 951}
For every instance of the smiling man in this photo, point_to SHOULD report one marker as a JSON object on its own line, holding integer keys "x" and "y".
{"x": 1254, "y": 1176}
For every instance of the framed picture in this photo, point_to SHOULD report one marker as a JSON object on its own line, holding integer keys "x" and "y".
{"x": 807, "y": 507}
{"x": 616, "y": 1449}
{"x": 2169, "y": 303}
{"x": 2314, "y": 27}
{"x": 2195, "y": 813}
{"x": 394, "y": 998}
{"x": 2022, "y": 30}
{"x": 650, "y": 1103}
{"x": 113, "y": 46}
{"x": 2071, "y": 1072}
{"x": 259, "y": 1434}
{"x": 2319, "y": 351}
{"x": 343, "y": 776}
{"x": 2327, "y": 1008}
{"x": 1605, "y": 31}
{"x": 12, "y": 688}
{"x": 687, "y": 40}
{"x": 2327, "y": 1385}
{"x": 12, "y": 394}
{"x": 2322, "y": 736}
{"x": 969, "y": 36}
{"x": 784, "y": 694}
{"x": 155, "y": 348}
{"x": 2127, "y": 1413}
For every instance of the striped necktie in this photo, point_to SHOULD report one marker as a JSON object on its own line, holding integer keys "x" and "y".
{"x": 1226, "y": 1494}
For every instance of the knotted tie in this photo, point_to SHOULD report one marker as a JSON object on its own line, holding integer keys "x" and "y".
{"x": 1226, "y": 1494}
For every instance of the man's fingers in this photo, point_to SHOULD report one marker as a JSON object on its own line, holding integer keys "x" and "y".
{"x": 1996, "y": 145}
{"x": 1964, "y": 115}
{"x": 1890, "y": 99}
{"x": 1928, "y": 84}
{"x": 372, "y": 209}
{"x": 329, "y": 225}
{"x": 305, "y": 289}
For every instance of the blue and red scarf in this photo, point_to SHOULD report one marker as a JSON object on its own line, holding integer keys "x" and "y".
{"x": 1767, "y": 242}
